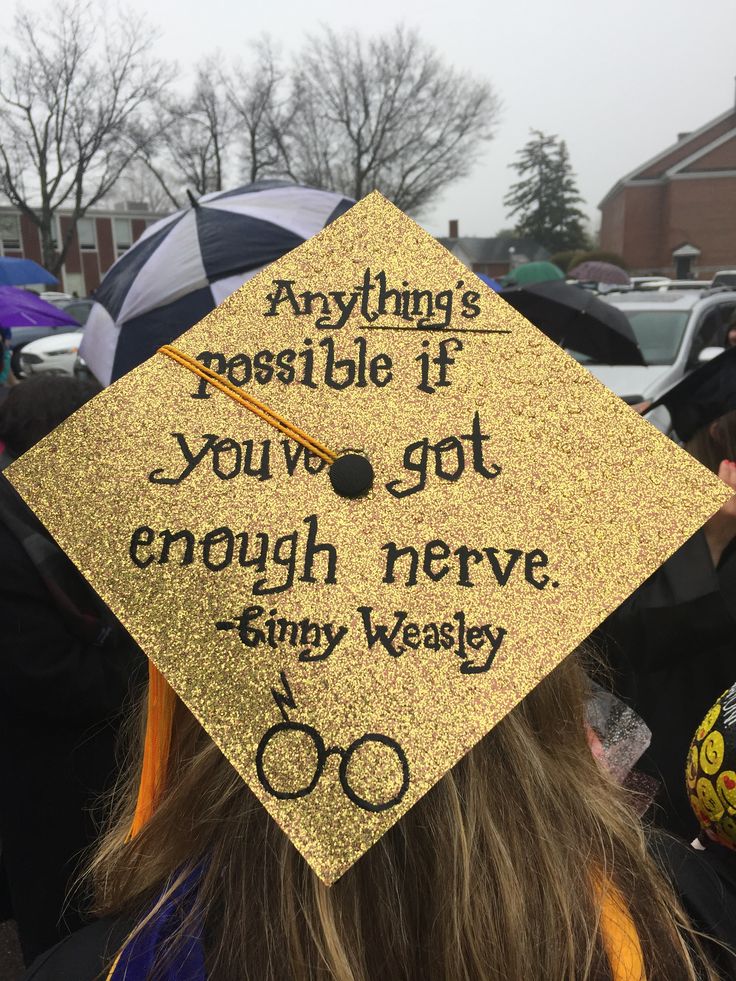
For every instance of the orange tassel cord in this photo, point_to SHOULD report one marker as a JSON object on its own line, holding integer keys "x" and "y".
{"x": 161, "y": 705}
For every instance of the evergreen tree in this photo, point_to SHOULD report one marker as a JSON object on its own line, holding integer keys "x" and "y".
{"x": 545, "y": 199}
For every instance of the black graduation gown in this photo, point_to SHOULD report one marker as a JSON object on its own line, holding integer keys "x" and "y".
{"x": 672, "y": 648}
{"x": 85, "y": 956}
{"x": 706, "y": 884}
{"x": 60, "y": 707}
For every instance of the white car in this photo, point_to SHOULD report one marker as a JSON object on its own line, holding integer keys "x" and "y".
{"x": 54, "y": 355}
{"x": 726, "y": 277}
{"x": 676, "y": 331}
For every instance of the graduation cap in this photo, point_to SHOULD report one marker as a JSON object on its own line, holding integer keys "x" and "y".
{"x": 353, "y": 516}
{"x": 702, "y": 396}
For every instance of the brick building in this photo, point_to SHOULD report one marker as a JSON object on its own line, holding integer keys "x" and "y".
{"x": 494, "y": 257}
{"x": 100, "y": 238}
{"x": 676, "y": 213}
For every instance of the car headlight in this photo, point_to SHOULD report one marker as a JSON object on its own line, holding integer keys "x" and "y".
{"x": 63, "y": 350}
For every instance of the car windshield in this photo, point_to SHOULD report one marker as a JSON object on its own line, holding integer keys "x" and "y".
{"x": 658, "y": 332}
{"x": 80, "y": 312}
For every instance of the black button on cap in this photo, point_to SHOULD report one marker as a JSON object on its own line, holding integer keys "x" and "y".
{"x": 351, "y": 475}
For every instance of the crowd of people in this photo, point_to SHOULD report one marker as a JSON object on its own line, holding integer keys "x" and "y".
{"x": 529, "y": 859}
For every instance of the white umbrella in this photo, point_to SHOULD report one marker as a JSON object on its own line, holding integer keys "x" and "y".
{"x": 186, "y": 264}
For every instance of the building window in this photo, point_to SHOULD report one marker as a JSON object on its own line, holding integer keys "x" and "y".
{"x": 9, "y": 233}
{"x": 86, "y": 234}
{"x": 123, "y": 234}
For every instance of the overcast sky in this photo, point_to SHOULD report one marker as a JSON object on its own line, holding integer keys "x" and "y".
{"x": 616, "y": 81}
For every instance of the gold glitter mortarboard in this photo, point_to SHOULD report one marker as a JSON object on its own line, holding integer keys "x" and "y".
{"x": 346, "y": 643}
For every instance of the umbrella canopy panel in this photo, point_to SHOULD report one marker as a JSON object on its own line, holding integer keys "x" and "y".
{"x": 600, "y": 272}
{"x": 534, "y": 272}
{"x": 22, "y": 272}
{"x": 21, "y": 308}
{"x": 575, "y": 318}
{"x": 489, "y": 281}
{"x": 186, "y": 264}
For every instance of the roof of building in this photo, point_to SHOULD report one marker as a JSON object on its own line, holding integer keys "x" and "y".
{"x": 486, "y": 250}
{"x": 709, "y": 150}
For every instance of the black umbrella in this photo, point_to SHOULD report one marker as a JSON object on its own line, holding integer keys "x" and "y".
{"x": 576, "y": 319}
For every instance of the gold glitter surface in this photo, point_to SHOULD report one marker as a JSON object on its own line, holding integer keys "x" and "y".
{"x": 538, "y": 502}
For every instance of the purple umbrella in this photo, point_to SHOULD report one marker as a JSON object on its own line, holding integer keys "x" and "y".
{"x": 21, "y": 308}
{"x": 595, "y": 271}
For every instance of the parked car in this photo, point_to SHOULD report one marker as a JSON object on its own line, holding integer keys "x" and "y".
{"x": 22, "y": 336}
{"x": 53, "y": 355}
{"x": 648, "y": 282}
{"x": 26, "y": 316}
{"x": 726, "y": 277}
{"x": 79, "y": 309}
{"x": 676, "y": 284}
{"x": 676, "y": 331}
{"x": 82, "y": 371}
{"x": 54, "y": 296}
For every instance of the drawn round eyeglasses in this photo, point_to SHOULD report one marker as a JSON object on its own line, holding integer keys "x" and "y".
{"x": 389, "y": 748}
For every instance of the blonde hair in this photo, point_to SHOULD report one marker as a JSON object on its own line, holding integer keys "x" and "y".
{"x": 495, "y": 874}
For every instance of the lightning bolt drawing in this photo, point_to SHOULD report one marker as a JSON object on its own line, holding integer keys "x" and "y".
{"x": 284, "y": 699}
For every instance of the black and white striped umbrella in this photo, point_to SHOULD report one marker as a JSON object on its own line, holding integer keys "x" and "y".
{"x": 186, "y": 264}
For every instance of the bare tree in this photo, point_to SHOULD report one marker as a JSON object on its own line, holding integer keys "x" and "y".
{"x": 385, "y": 113}
{"x": 137, "y": 183}
{"x": 233, "y": 125}
{"x": 257, "y": 95}
{"x": 352, "y": 115}
{"x": 152, "y": 159}
{"x": 74, "y": 96}
{"x": 193, "y": 150}
{"x": 201, "y": 134}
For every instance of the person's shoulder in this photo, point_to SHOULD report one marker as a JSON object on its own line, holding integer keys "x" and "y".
{"x": 694, "y": 872}
{"x": 84, "y": 956}
{"x": 706, "y": 884}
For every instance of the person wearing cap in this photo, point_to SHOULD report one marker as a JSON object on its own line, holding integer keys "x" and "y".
{"x": 365, "y": 752}
{"x": 65, "y": 671}
{"x": 482, "y": 878}
{"x": 705, "y": 871}
{"x": 672, "y": 644}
